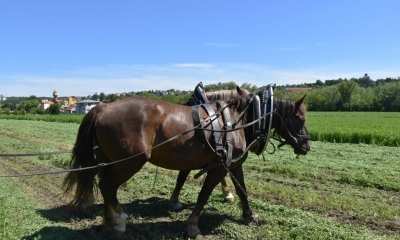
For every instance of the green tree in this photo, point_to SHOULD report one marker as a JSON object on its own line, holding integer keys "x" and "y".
{"x": 102, "y": 96}
{"x": 39, "y": 110}
{"x": 111, "y": 98}
{"x": 95, "y": 96}
{"x": 149, "y": 95}
{"x": 6, "y": 111}
{"x": 388, "y": 96}
{"x": 54, "y": 109}
{"x": 29, "y": 104}
{"x": 363, "y": 99}
{"x": 168, "y": 98}
{"x": 249, "y": 87}
{"x": 323, "y": 99}
{"x": 346, "y": 89}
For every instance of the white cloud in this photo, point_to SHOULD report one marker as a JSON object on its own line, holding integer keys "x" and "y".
{"x": 181, "y": 76}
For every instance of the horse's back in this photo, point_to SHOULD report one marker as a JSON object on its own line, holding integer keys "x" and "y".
{"x": 137, "y": 124}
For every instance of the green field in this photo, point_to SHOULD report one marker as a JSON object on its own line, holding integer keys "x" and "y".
{"x": 337, "y": 191}
{"x": 380, "y": 128}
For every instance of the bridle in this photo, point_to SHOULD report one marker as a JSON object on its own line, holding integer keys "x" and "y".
{"x": 297, "y": 139}
{"x": 263, "y": 105}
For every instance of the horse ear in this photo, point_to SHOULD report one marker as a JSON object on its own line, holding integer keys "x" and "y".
{"x": 300, "y": 101}
{"x": 239, "y": 90}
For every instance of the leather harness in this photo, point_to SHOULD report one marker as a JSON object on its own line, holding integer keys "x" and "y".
{"x": 262, "y": 106}
{"x": 222, "y": 147}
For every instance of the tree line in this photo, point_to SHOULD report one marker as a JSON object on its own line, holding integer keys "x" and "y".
{"x": 362, "y": 94}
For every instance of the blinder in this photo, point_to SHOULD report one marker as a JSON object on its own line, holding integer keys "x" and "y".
{"x": 298, "y": 138}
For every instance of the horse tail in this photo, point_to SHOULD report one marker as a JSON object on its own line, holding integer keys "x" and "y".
{"x": 83, "y": 156}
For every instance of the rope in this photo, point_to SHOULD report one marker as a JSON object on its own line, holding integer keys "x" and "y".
{"x": 32, "y": 154}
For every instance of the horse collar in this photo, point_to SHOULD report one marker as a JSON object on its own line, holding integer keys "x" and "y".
{"x": 263, "y": 105}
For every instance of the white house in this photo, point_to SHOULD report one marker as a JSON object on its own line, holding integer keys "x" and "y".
{"x": 85, "y": 105}
{"x": 45, "y": 104}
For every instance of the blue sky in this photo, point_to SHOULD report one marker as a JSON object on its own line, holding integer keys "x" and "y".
{"x": 82, "y": 47}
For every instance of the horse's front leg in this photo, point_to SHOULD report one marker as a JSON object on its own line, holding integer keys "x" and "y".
{"x": 182, "y": 176}
{"x": 214, "y": 176}
{"x": 242, "y": 193}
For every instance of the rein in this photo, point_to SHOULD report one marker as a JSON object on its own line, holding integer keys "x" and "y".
{"x": 32, "y": 154}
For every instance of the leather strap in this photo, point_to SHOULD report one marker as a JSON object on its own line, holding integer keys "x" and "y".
{"x": 214, "y": 121}
{"x": 228, "y": 136}
{"x": 197, "y": 123}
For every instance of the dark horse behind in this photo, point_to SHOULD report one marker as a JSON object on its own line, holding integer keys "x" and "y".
{"x": 137, "y": 130}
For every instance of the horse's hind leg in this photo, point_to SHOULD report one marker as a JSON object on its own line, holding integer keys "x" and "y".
{"x": 115, "y": 218}
{"x": 228, "y": 196}
{"x": 174, "y": 199}
{"x": 242, "y": 193}
{"x": 87, "y": 201}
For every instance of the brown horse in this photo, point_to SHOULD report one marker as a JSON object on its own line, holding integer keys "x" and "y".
{"x": 137, "y": 130}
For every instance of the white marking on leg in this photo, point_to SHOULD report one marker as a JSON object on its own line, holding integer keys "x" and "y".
{"x": 119, "y": 221}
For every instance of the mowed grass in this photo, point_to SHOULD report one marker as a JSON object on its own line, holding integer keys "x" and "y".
{"x": 337, "y": 191}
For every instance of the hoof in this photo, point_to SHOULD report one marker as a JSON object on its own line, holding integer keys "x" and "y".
{"x": 86, "y": 202}
{"x": 111, "y": 233}
{"x": 251, "y": 217}
{"x": 115, "y": 225}
{"x": 117, "y": 235}
{"x": 229, "y": 197}
{"x": 176, "y": 206}
{"x": 254, "y": 217}
{"x": 193, "y": 232}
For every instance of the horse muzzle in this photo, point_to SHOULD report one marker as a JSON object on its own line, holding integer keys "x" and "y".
{"x": 303, "y": 144}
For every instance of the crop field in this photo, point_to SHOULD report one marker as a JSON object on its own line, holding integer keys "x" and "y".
{"x": 380, "y": 128}
{"x": 345, "y": 188}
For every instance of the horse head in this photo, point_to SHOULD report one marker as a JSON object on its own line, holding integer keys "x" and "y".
{"x": 286, "y": 117}
{"x": 290, "y": 123}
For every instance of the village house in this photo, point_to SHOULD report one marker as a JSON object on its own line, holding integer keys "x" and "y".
{"x": 85, "y": 105}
